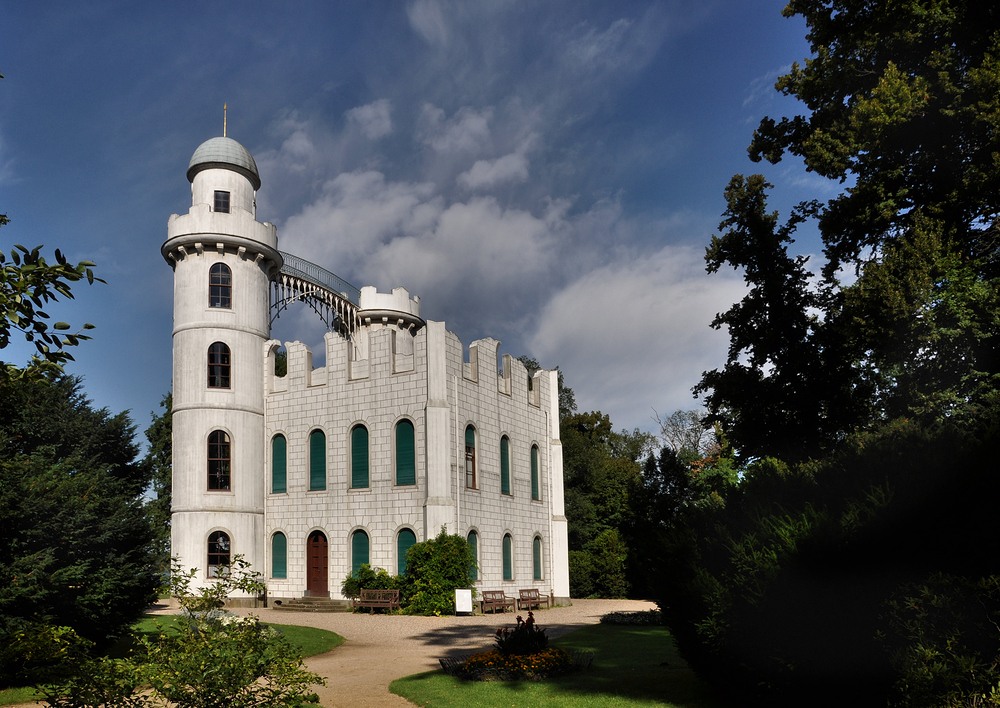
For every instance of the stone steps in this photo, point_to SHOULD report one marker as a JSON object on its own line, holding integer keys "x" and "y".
{"x": 312, "y": 604}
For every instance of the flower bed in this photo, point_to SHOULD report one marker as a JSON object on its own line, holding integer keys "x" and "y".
{"x": 494, "y": 666}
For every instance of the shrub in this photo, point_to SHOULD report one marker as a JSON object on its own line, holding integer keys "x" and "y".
{"x": 645, "y": 617}
{"x": 215, "y": 660}
{"x": 368, "y": 578}
{"x": 581, "y": 574}
{"x": 434, "y": 570}
{"x": 944, "y": 642}
{"x": 39, "y": 652}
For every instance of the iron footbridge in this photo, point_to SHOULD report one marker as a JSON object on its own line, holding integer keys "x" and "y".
{"x": 331, "y": 297}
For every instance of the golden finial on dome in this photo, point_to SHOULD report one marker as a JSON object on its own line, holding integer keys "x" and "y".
{"x": 223, "y": 120}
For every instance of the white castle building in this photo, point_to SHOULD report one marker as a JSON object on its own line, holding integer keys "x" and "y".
{"x": 310, "y": 474}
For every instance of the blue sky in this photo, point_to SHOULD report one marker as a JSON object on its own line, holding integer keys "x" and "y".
{"x": 546, "y": 173}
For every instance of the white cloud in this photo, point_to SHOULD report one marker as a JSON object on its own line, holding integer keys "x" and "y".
{"x": 373, "y": 118}
{"x": 466, "y": 131}
{"x": 427, "y": 20}
{"x": 634, "y": 335}
{"x": 605, "y": 48}
{"x": 7, "y": 175}
{"x": 485, "y": 174}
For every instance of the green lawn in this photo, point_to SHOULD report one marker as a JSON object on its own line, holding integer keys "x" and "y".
{"x": 311, "y": 641}
{"x": 634, "y": 667}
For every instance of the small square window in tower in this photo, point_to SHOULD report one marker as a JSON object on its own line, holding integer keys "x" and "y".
{"x": 222, "y": 202}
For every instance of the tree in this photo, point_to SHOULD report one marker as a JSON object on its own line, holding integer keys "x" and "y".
{"x": 684, "y": 433}
{"x": 158, "y": 466}
{"x": 75, "y": 543}
{"x": 27, "y": 284}
{"x": 901, "y": 100}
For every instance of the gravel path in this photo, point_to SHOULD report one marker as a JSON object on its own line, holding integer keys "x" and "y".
{"x": 381, "y": 648}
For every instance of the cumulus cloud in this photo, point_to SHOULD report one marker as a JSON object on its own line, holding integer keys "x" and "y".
{"x": 466, "y": 131}
{"x": 486, "y": 174}
{"x": 373, "y": 119}
{"x": 634, "y": 335}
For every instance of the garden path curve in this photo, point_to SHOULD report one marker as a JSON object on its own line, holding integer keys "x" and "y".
{"x": 382, "y": 648}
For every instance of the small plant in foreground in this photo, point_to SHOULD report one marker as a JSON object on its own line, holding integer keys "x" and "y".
{"x": 521, "y": 653}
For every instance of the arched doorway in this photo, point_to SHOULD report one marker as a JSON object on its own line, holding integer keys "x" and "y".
{"x": 317, "y": 572}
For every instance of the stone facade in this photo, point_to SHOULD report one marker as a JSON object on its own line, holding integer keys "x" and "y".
{"x": 265, "y": 465}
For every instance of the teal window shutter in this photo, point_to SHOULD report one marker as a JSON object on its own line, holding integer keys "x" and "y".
{"x": 279, "y": 448}
{"x": 404, "y": 541}
{"x": 508, "y": 566}
{"x": 359, "y": 551}
{"x": 504, "y": 465}
{"x": 470, "y": 457}
{"x": 359, "y": 457}
{"x": 279, "y": 555}
{"x": 534, "y": 473}
{"x": 474, "y": 545}
{"x": 406, "y": 454}
{"x": 317, "y": 460}
{"x": 536, "y": 557}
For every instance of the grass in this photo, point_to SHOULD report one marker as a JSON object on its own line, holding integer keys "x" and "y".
{"x": 634, "y": 667}
{"x": 311, "y": 641}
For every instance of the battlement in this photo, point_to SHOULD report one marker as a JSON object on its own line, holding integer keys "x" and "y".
{"x": 394, "y": 308}
{"x": 392, "y": 349}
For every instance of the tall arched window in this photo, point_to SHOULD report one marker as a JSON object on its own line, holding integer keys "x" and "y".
{"x": 536, "y": 558}
{"x": 317, "y": 460}
{"x": 406, "y": 454}
{"x": 404, "y": 540}
{"x": 218, "y": 552}
{"x": 220, "y": 286}
{"x": 474, "y": 545}
{"x": 359, "y": 457}
{"x": 219, "y": 470}
{"x": 536, "y": 489}
{"x": 218, "y": 365}
{"x": 359, "y": 550}
{"x": 504, "y": 465}
{"x": 279, "y": 555}
{"x": 508, "y": 557}
{"x": 279, "y": 449}
{"x": 470, "y": 457}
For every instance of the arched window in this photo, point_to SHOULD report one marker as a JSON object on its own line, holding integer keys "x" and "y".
{"x": 359, "y": 550}
{"x": 404, "y": 540}
{"x": 218, "y": 365}
{"x": 279, "y": 555}
{"x": 359, "y": 457}
{"x": 220, "y": 286}
{"x": 218, "y": 552}
{"x": 504, "y": 465}
{"x": 218, "y": 461}
{"x": 536, "y": 558}
{"x": 470, "y": 457}
{"x": 508, "y": 558}
{"x": 317, "y": 460}
{"x": 279, "y": 448}
{"x": 536, "y": 492}
{"x": 474, "y": 545}
{"x": 406, "y": 454}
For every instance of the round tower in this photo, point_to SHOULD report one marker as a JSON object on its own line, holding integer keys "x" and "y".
{"x": 223, "y": 261}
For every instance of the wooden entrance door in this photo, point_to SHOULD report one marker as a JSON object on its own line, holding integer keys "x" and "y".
{"x": 317, "y": 572}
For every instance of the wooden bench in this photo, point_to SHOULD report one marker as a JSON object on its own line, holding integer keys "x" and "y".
{"x": 493, "y": 599}
{"x": 531, "y": 597}
{"x": 386, "y": 599}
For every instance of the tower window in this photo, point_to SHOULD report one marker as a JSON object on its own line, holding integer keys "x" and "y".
{"x": 220, "y": 286}
{"x": 504, "y": 465}
{"x": 222, "y": 202}
{"x": 218, "y": 365}
{"x": 536, "y": 492}
{"x": 218, "y": 461}
{"x": 218, "y": 552}
{"x": 508, "y": 558}
{"x": 317, "y": 461}
{"x": 470, "y": 457}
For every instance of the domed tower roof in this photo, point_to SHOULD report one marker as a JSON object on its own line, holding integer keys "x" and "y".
{"x": 227, "y": 154}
